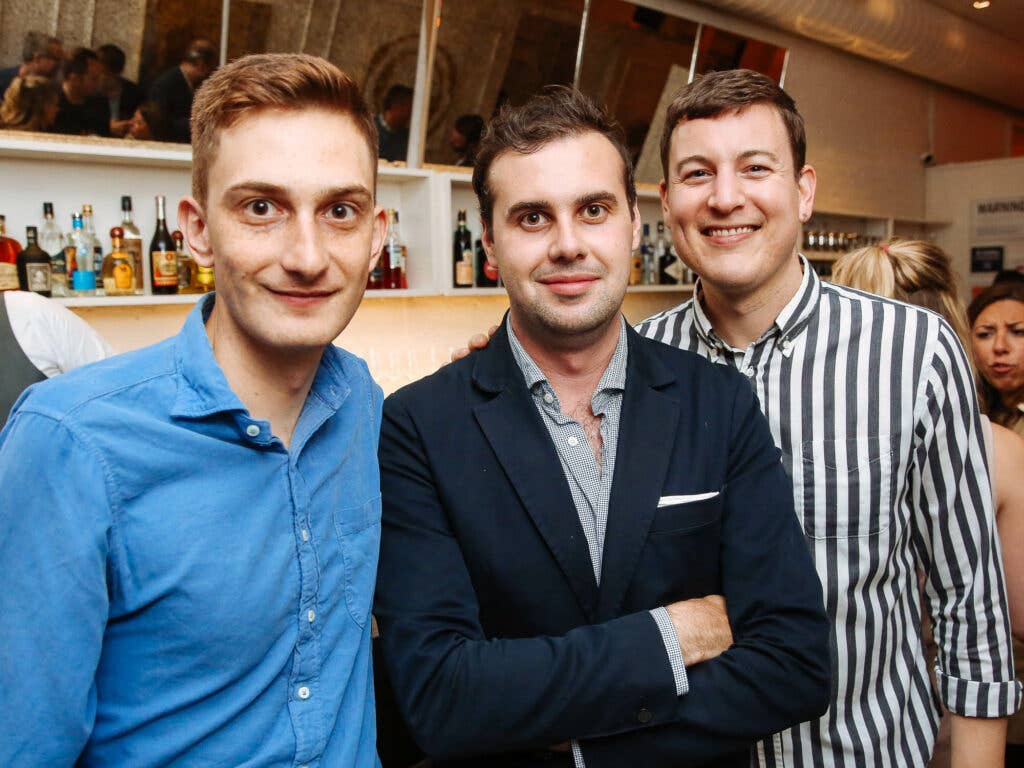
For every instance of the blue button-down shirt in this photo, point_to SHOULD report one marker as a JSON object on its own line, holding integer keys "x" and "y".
{"x": 175, "y": 585}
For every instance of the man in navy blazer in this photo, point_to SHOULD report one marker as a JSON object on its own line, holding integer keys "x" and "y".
{"x": 589, "y": 553}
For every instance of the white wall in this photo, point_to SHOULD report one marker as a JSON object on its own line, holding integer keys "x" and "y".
{"x": 950, "y": 191}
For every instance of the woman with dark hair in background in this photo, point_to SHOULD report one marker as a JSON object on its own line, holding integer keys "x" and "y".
{"x": 919, "y": 272}
{"x": 30, "y": 104}
{"x": 997, "y": 334}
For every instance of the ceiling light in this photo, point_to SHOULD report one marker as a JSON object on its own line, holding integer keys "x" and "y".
{"x": 979, "y": 4}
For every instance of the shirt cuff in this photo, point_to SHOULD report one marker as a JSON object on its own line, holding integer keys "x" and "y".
{"x": 577, "y": 754}
{"x": 973, "y": 698}
{"x": 675, "y": 653}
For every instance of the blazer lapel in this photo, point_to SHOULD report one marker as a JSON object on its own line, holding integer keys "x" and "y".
{"x": 514, "y": 429}
{"x": 647, "y": 430}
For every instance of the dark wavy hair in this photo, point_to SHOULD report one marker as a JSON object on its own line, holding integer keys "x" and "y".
{"x": 989, "y": 397}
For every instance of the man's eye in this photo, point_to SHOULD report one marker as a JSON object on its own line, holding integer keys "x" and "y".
{"x": 533, "y": 219}
{"x": 342, "y": 211}
{"x": 696, "y": 174}
{"x": 260, "y": 207}
{"x": 594, "y": 210}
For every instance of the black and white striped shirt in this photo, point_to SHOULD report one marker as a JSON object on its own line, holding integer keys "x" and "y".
{"x": 872, "y": 403}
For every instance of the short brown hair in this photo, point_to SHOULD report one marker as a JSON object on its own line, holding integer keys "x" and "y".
{"x": 557, "y": 112}
{"x": 716, "y": 93}
{"x": 990, "y": 399}
{"x": 288, "y": 81}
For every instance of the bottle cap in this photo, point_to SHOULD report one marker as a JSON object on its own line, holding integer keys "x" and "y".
{"x": 176, "y": 234}
{"x": 86, "y": 210}
{"x": 116, "y": 233}
{"x": 3, "y": 219}
{"x": 126, "y": 202}
{"x": 31, "y": 233}
{"x": 47, "y": 209}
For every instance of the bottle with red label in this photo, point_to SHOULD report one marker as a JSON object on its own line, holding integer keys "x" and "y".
{"x": 163, "y": 253}
{"x": 9, "y": 250}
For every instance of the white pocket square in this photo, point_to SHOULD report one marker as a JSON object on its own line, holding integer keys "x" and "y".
{"x": 668, "y": 501}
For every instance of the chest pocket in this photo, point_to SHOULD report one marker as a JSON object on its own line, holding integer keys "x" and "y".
{"x": 848, "y": 486}
{"x": 358, "y": 531}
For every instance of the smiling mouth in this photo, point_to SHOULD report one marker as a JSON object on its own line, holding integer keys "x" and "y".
{"x": 728, "y": 231}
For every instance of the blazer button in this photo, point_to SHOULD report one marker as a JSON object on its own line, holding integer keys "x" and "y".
{"x": 644, "y": 715}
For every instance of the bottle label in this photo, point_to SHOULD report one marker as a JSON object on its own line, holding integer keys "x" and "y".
{"x": 123, "y": 274}
{"x": 83, "y": 280}
{"x": 38, "y": 277}
{"x": 165, "y": 268}
{"x": 204, "y": 276}
{"x": 8, "y": 277}
{"x": 491, "y": 271}
{"x": 464, "y": 269}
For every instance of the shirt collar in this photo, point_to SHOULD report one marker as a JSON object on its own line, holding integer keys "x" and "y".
{"x": 790, "y": 321}
{"x": 204, "y": 389}
{"x": 613, "y": 378}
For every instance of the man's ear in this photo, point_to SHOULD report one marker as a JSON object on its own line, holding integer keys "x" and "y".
{"x": 637, "y": 225}
{"x": 807, "y": 184}
{"x": 379, "y": 234}
{"x": 192, "y": 223}
{"x": 487, "y": 240}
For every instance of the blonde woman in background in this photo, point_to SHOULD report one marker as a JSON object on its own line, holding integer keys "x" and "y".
{"x": 30, "y": 104}
{"x": 919, "y": 272}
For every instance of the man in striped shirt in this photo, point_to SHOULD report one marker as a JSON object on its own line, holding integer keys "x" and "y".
{"x": 872, "y": 404}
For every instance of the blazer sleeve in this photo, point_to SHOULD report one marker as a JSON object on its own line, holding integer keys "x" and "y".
{"x": 464, "y": 693}
{"x": 778, "y": 671}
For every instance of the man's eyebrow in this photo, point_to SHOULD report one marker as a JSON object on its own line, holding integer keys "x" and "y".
{"x": 527, "y": 205}
{"x": 275, "y": 190}
{"x": 596, "y": 197}
{"x": 746, "y": 155}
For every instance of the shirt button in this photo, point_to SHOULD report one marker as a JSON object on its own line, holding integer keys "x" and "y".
{"x": 748, "y": 372}
{"x": 549, "y": 398}
{"x": 572, "y": 441}
{"x": 305, "y": 535}
{"x": 252, "y": 430}
{"x": 303, "y": 693}
{"x": 644, "y": 715}
{"x": 311, "y": 615}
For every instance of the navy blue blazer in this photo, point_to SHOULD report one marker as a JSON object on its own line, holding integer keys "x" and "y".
{"x": 495, "y": 634}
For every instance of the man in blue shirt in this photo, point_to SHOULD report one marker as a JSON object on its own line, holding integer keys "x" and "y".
{"x": 189, "y": 532}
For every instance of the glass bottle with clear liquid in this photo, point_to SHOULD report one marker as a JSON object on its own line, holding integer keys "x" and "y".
{"x": 51, "y": 240}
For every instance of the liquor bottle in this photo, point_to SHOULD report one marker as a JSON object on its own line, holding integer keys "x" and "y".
{"x": 133, "y": 244}
{"x": 486, "y": 273}
{"x": 34, "y": 265}
{"x": 394, "y": 250}
{"x": 188, "y": 270}
{"x": 462, "y": 254}
{"x": 79, "y": 255}
{"x": 636, "y": 268}
{"x": 89, "y": 235}
{"x": 118, "y": 267}
{"x": 671, "y": 271}
{"x": 9, "y": 250}
{"x": 647, "y": 262}
{"x": 52, "y": 241}
{"x": 162, "y": 253}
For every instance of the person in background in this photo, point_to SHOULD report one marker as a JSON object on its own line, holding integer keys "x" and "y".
{"x": 39, "y": 339}
{"x": 30, "y": 104}
{"x": 146, "y": 123}
{"x": 997, "y": 337}
{"x": 41, "y": 56}
{"x": 189, "y": 531}
{"x": 83, "y": 110}
{"x": 873, "y": 405}
{"x": 1008, "y": 276}
{"x": 588, "y": 536}
{"x": 919, "y": 272}
{"x": 465, "y": 138}
{"x": 174, "y": 89}
{"x": 393, "y": 123}
{"x": 123, "y": 96}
